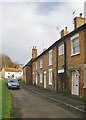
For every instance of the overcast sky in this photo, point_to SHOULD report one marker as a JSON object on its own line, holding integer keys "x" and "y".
{"x": 24, "y": 24}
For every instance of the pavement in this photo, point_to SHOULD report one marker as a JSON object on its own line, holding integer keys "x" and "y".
{"x": 69, "y": 102}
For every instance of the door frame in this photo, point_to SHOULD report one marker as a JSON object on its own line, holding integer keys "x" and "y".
{"x": 45, "y": 83}
{"x": 36, "y": 79}
{"x": 73, "y": 85}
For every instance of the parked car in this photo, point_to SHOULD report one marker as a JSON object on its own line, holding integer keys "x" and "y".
{"x": 19, "y": 79}
{"x": 13, "y": 84}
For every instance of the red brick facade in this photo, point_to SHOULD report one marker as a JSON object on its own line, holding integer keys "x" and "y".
{"x": 27, "y": 73}
{"x": 74, "y": 63}
{"x": 45, "y": 67}
{"x": 63, "y": 65}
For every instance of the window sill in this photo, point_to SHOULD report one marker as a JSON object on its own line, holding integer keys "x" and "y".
{"x": 50, "y": 83}
{"x": 84, "y": 86}
{"x": 61, "y": 54}
{"x": 75, "y": 54}
{"x": 50, "y": 65}
{"x": 41, "y": 67}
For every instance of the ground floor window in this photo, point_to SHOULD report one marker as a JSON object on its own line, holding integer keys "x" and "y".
{"x": 84, "y": 76}
{"x": 36, "y": 80}
{"x": 40, "y": 77}
{"x": 50, "y": 76}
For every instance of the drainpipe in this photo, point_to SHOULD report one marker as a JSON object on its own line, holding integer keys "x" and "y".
{"x": 65, "y": 66}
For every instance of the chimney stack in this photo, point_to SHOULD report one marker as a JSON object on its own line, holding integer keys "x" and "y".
{"x": 78, "y": 21}
{"x": 64, "y": 32}
{"x": 44, "y": 49}
{"x": 34, "y": 52}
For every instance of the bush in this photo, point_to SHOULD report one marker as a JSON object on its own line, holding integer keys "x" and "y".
{"x": 66, "y": 92}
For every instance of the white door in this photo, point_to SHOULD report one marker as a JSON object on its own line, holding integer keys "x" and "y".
{"x": 75, "y": 83}
{"x": 45, "y": 79}
{"x": 36, "y": 80}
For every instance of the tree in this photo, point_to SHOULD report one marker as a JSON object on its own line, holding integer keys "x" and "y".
{"x": 6, "y": 61}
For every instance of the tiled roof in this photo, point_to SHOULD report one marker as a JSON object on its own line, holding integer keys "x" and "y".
{"x": 28, "y": 64}
{"x": 83, "y": 27}
{"x": 12, "y": 70}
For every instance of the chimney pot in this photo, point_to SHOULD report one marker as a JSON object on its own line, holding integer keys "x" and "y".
{"x": 64, "y": 32}
{"x": 78, "y": 21}
{"x": 44, "y": 49}
{"x": 80, "y": 14}
{"x": 34, "y": 52}
{"x": 65, "y": 28}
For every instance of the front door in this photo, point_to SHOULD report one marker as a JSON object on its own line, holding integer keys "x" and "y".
{"x": 45, "y": 79}
{"x": 61, "y": 82}
{"x": 75, "y": 83}
{"x": 36, "y": 80}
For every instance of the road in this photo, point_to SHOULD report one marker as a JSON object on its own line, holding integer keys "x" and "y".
{"x": 27, "y": 104}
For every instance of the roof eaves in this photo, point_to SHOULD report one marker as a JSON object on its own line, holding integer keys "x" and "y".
{"x": 65, "y": 37}
{"x": 28, "y": 64}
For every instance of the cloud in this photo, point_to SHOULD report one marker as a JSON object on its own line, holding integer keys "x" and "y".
{"x": 28, "y": 24}
{"x": 42, "y": 0}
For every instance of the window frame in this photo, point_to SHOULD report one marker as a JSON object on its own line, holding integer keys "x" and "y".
{"x": 75, "y": 38}
{"x": 41, "y": 80}
{"x": 41, "y": 65}
{"x": 36, "y": 65}
{"x": 50, "y": 57}
{"x": 84, "y": 76}
{"x": 50, "y": 78}
{"x": 61, "y": 49}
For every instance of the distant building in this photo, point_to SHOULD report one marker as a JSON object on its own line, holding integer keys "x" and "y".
{"x": 11, "y": 72}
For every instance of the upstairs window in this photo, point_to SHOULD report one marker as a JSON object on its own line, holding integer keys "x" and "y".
{"x": 75, "y": 46}
{"x": 50, "y": 57}
{"x": 36, "y": 65}
{"x": 40, "y": 63}
{"x": 61, "y": 49}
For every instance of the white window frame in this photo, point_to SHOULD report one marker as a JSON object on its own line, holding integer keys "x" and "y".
{"x": 50, "y": 76}
{"x": 33, "y": 73}
{"x": 75, "y": 38}
{"x": 40, "y": 77}
{"x": 50, "y": 57}
{"x": 40, "y": 62}
{"x": 84, "y": 76}
{"x": 61, "y": 49}
{"x": 36, "y": 65}
{"x": 36, "y": 79}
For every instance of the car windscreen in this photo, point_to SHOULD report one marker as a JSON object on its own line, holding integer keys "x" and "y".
{"x": 13, "y": 81}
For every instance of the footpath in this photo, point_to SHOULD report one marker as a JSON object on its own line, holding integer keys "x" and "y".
{"x": 68, "y": 102}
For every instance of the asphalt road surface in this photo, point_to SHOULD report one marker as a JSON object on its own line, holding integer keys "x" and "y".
{"x": 27, "y": 104}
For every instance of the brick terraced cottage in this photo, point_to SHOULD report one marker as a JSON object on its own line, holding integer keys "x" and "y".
{"x": 63, "y": 65}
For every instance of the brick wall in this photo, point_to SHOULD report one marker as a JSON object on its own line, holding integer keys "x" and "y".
{"x": 45, "y": 67}
{"x": 85, "y": 46}
{"x": 76, "y": 61}
{"x": 27, "y": 74}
